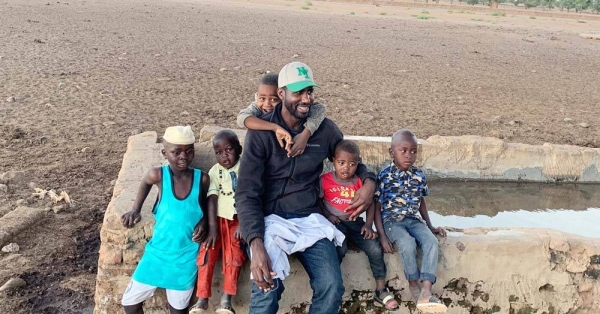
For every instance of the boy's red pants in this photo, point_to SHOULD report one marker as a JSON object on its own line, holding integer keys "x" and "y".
{"x": 232, "y": 261}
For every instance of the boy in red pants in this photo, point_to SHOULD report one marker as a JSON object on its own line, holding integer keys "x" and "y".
{"x": 224, "y": 234}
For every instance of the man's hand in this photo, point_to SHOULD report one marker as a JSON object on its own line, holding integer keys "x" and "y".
{"x": 200, "y": 232}
{"x": 238, "y": 233}
{"x": 299, "y": 145}
{"x": 368, "y": 233}
{"x": 260, "y": 265}
{"x": 130, "y": 218}
{"x": 386, "y": 244}
{"x": 363, "y": 198}
{"x": 438, "y": 231}
{"x": 284, "y": 136}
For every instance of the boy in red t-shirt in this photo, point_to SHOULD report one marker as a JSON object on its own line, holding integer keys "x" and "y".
{"x": 337, "y": 190}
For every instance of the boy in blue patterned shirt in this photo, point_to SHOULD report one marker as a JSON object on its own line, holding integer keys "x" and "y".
{"x": 401, "y": 217}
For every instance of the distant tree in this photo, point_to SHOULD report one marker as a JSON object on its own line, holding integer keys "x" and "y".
{"x": 531, "y": 3}
{"x": 568, "y": 4}
{"x": 494, "y": 3}
{"x": 472, "y": 2}
{"x": 548, "y": 4}
{"x": 596, "y": 6}
{"x": 581, "y": 5}
{"x": 516, "y": 3}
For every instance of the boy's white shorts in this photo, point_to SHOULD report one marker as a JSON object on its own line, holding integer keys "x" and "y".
{"x": 138, "y": 292}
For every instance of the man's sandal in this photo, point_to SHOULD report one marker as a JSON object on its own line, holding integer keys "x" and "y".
{"x": 432, "y": 306}
{"x": 386, "y": 298}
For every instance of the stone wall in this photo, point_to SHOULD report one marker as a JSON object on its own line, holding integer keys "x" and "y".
{"x": 480, "y": 270}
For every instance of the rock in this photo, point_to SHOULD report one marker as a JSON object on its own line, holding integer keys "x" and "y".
{"x": 584, "y": 287}
{"x": 185, "y": 114}
{"x": 533, "y": 71}
{"x": 62, "y": 85}
{"x": 590, "y": 36}
{"x": 10, "y": 99}
{"x": 460, "y": 246}
{"x": 3, "y": 189}
{"x": 237, "y": 68}
{"x": 58, "y": 208}
{"x": 560, "y": 245}
{"x": 346, "y": 86}
{"x": 135, "y": 131}
{"x": 32, "y": 185}
{"x": 295, "y": 56}
{"x": 223, "y": 69}
{"x": 584, "y": 125}
{"x": 11, "y": 248}
{"x": 86, "y": 149}
{"x": 14, "y": 177}
{"x": 568, "y": 120}
{"x": 13, "y": 284}
{"x": 21, "y": 202}
{"x": 108, "y": 123}
{"x": 576, "y": 266}
{"x": 514, "y": 122}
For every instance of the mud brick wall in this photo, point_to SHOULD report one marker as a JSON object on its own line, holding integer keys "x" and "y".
{"x": 480, "y": 270}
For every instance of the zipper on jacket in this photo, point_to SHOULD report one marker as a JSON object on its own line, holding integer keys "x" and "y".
{"x": 287, "y": 179}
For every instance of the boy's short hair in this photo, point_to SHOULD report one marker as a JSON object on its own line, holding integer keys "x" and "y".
{"x": 269, "y": 79}
{"x": 231, "y": 137}
{"x": 402, "y": 134}
{"x": 347, "y": 146}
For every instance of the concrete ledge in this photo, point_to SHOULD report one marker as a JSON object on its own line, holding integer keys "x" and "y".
{"x": 480, "y": 270}
{"x": 468, "y": 157}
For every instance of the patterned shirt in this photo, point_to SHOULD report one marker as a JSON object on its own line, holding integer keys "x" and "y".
{"x": 400, "y": 192}
{"x": 222, "y": 184}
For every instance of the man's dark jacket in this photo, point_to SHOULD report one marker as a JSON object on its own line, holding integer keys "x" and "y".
{"x": 271, "y": 183}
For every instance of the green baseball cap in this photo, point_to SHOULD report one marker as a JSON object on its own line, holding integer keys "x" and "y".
{"x": 296, "y": 76}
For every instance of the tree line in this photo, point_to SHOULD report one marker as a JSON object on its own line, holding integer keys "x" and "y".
{"x": 577, "y": 5}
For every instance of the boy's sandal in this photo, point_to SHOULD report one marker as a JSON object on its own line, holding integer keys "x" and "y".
{"x": 432, "y": 306}
{"x": 225, "y": 309}
{"x": 386, "y": 298}
{"x": 196, "y": 309}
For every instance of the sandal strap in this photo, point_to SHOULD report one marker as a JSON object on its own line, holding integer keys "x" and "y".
{"x": 388, "y": 298}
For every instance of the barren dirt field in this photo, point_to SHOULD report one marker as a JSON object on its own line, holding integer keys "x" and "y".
{"x": 78, "y": 77}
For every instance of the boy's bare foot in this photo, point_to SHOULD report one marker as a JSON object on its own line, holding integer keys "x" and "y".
{"x": 415, "y": 291}
{"x": 200, "y": 307}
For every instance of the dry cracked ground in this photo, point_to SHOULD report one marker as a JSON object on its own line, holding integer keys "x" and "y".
{"x": 78, "y": 77}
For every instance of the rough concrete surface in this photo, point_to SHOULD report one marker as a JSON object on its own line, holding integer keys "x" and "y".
{"x": 480, "y": 270}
